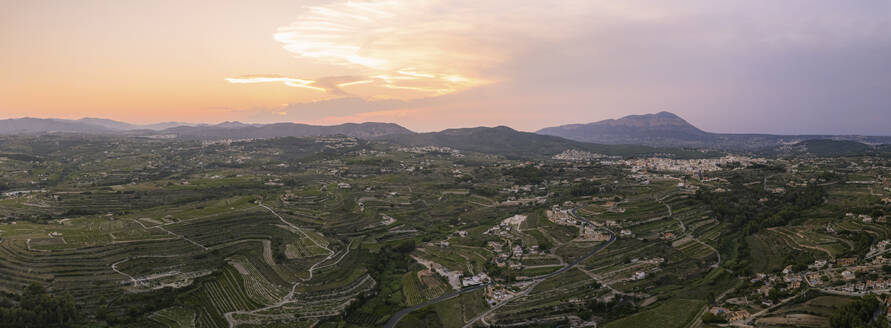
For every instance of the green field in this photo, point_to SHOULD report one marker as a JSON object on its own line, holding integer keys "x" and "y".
{"x": 673, "y": 313}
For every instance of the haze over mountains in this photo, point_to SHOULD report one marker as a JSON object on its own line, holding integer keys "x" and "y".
{"x": 662, "y": 130}
{"x": 28, "y": 125}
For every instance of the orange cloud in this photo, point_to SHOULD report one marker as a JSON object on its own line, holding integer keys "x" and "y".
{"x": 397, "y": 49}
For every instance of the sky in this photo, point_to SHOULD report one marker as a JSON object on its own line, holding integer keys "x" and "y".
{"x": 747, "y": 66}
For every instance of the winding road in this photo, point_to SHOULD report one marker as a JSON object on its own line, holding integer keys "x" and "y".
{"x": 230, "y": 316}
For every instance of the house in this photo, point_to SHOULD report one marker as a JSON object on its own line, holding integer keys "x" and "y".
{"x": 818, "y": 264}
{"x": 475, "y": 280}
{"x": 787, "y": 269}
{"x": 866, "y": 218}
{"x": 600, "y": 237}
{"x": 718, "y": 311}
{"x": 640, "y": 275}
{"x": 848, "y": 275}
{"x": 814, "y": 279}
{"x": 738, "y": 315}
{"x": 845, "y": 261}
{"x": 518, "y": 251}
{"x": 764, "y": 290}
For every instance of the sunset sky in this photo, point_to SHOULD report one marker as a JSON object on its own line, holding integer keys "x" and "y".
{"x": 792, "y": 66}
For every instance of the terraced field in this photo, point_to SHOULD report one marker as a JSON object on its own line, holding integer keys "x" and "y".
{"x": 672, "y": 314}
{"x": 175, "y": 317}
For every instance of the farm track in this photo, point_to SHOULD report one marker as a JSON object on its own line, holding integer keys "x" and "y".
{"x": 690, "y": 234}
{"x": 230, "y": 316}
{"x": 786, "y": 235}
{"x": 161, "y": 227}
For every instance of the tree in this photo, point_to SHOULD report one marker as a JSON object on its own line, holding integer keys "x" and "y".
{"x": 858, "y": 314}
{"x": 37, "y": 308}
{"x": 708, "y": 317}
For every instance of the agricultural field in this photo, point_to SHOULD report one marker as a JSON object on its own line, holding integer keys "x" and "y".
{"x": 675, "y": 313}
{"x": 343, "y": 232}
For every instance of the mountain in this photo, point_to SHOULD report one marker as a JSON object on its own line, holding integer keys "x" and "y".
{"x": 233, "y": 124}
{"x": 502, "y": 140}
{"x": 236, "y": 130}
{"x": 123, "y": 126}
{"x": 30, "y": 125}
{"x": 163, "y": 125}
{"x": 659, "y": 129}
{"x": 665, "y": 129}
{"x": 106, "y": 123}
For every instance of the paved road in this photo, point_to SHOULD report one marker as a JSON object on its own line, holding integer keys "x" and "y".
{"x": 398, "y": 316}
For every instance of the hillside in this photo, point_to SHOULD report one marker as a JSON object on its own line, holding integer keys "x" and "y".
{"x": 826, "y": 148}
{"x": 508, "y": 142}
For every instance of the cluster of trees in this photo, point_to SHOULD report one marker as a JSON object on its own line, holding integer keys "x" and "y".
{"x": 525, "y": 175}
{"x": 744, "y": 209}
{"x": 619, "y": 307}
{"x": 387, "y": 266}
{"x": 709, "y": 317}
{"x": 37, "y": 308}
{"x": 585, "y": 188}
{"x": 860, "y": 314}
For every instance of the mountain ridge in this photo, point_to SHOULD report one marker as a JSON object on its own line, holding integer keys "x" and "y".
{"x": 237, "y": 130}
{"x": 665, "y": 129}
{"x": 662, "y": 129}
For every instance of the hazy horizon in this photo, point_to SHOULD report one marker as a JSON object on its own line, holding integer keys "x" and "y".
{"x": 195, "y": 123}
{"x": 729, "y": 67}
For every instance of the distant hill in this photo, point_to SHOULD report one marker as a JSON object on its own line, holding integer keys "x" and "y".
{"x": 236, "y": 130}
{"x": 827, "y": 148}
{"x": 225, "y": 130}
{"x": 508, "y": 142}
{"x": 123, "y": 126}
{"x": 29, "y": 125}
{"x": 665, "y": 129}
